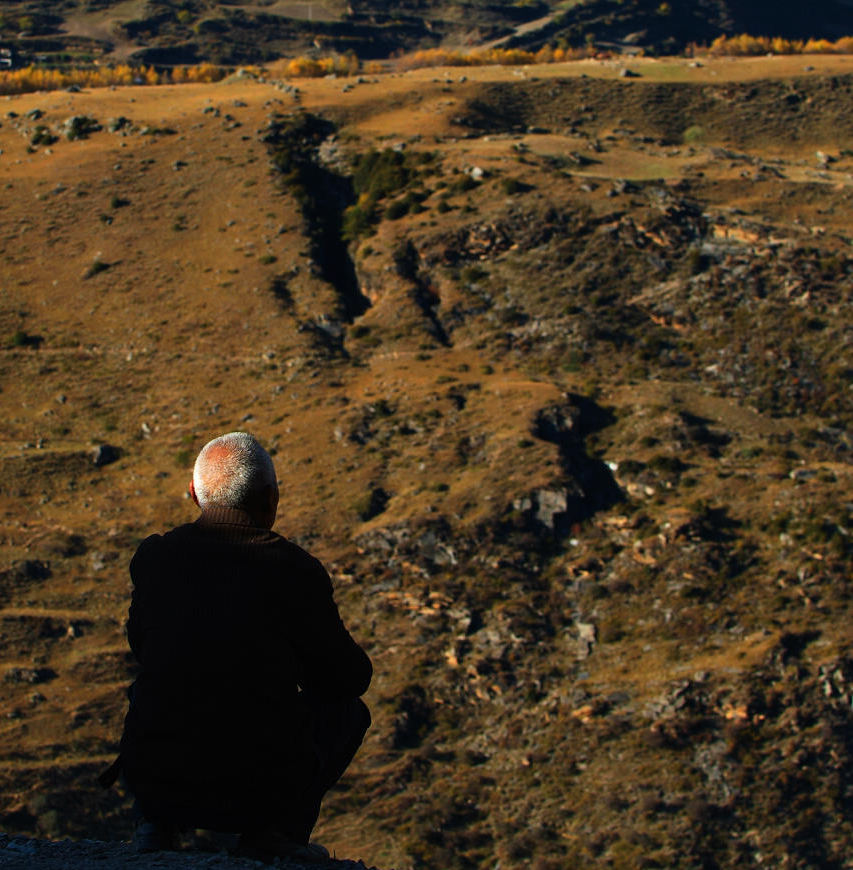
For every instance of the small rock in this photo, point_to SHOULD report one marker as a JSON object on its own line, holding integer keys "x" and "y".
{"x": 803, "y": 474}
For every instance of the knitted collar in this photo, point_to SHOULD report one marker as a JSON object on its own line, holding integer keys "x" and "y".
{"x": 214, "y": 516}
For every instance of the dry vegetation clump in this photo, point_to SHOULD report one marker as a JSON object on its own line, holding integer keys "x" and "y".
{"x": 493, "y": 56}
{"x": 36, "y": 78}
{"x": 316, "y": 67}
{"x": 746, "y": 45}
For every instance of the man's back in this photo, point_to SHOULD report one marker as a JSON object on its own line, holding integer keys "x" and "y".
{"x": 228, "y": 622}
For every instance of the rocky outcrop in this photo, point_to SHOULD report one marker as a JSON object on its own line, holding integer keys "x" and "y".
{"x": 24, "y": 853}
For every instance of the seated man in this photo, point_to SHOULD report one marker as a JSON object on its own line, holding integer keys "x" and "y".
{"x": 246, "y": 709}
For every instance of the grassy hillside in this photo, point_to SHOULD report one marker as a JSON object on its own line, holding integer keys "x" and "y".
{"x": 555, "y": 368}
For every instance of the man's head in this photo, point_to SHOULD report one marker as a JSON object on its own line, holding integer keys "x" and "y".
{"x": 234, "y": 471}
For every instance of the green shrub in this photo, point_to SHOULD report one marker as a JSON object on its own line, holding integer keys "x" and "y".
{"x": 381, "y": 173}
{"x": 42, "y": 136}
{"x": 667, "y": 464}
{"x": 472, "y": 274}
{"x": 371, "y": 504}
{"x": 80, "y": 126}
{"x": 397, "y": 209}
{"x": 693, "y": 135}
{"x": 461, "y": 185}
{"x": 697, "y": 262}
{"x": 511, "y": 186}
{"x": 357, "y": 221}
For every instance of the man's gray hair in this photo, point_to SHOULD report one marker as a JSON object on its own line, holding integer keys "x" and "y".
{"x": 230, "y": 470}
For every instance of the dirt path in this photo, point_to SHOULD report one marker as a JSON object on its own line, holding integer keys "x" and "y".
{"x": 527, "y": 27}
{"x": 102, "y": 27}
{"x": 22, "y": 853}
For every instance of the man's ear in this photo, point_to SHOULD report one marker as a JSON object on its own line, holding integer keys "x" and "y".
{"x": 193, "y": 496}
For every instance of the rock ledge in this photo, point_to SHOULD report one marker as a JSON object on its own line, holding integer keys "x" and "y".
{"x": 24, "y": 853}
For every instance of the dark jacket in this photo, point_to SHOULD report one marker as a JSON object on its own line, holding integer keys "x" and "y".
{"x": 228, "y": 622}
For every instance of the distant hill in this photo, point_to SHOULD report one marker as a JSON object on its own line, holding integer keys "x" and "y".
{"x": 189, "y": 31}
{"x": 669, "y": 27}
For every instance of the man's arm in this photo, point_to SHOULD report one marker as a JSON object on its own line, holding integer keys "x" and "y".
{"x": 139, "y": 616}
{"x": 330, "y": 662}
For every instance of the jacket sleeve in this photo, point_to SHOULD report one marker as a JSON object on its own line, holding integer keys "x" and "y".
{"x": 140, "y": 615}
{"x": 329, "y": 661}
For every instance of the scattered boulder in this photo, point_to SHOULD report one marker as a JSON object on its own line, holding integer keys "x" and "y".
{"x": 427, "y": 547}
{"x": 586, "y": 638}
{"x": 80, "y": 127}
{"x": 105, "y": 454}
{"x": 551, "y": 508}
{"x": 114, "y": 125}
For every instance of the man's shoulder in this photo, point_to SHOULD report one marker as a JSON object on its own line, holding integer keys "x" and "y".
{"x": 159, "y": 545}
{"x": 259, "y": 545}
{"x": 160, "y": 539}
{"x": 284, "y": 550}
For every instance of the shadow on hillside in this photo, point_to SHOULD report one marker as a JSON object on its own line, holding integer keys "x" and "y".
{"x": 568, "y": 425}
{"x": 323, "y": 196}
